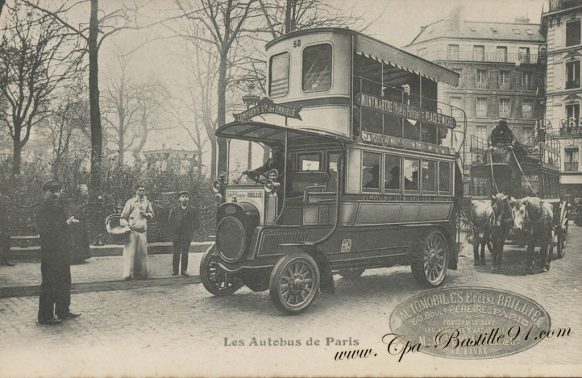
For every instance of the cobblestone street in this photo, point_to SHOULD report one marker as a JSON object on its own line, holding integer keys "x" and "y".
{"x": 181, "y": 329}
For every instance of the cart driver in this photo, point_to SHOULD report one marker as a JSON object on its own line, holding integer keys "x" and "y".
{"x": 276, "y": 161}
{"x": 502, "y": 136}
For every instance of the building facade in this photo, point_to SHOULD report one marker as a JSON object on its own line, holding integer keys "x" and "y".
{"x": 501, "y": 74}
{"x": 561, "y": 27}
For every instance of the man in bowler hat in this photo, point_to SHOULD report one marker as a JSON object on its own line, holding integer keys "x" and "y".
{"x": 182, "y": 222}
{"x": 55, "y": 266}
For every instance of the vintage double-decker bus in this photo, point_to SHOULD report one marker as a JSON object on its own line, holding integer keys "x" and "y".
{"x": 366, "y": 175}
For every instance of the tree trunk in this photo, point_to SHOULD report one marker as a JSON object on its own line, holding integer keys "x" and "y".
{"x": 222, "y": 153}
{"x": 96, "y": 130}
{"x": 17, "y": 150}
{"x": 120, "y": 146}
{"x": 288, "y": 21}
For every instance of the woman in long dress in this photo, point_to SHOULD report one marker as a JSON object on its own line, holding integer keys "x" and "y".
{"x": 137, "y": 211}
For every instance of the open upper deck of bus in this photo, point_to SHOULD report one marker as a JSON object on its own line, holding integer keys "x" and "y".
{"x": 342, "y": 82}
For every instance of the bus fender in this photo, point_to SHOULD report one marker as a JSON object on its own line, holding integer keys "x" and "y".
{"x": 327, "y": 284}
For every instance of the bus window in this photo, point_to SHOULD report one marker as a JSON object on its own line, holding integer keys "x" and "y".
{"x": 317, "y": 68}
{"x": 309, "y": 162}
{"x": 429, "y": 176}
{"x": 371, "y": 172}
{"x": 392, "y": 173}
{"x": 411, "y": 174}
{"x": 279, "y": 75}
{"x": 444, "y": 177}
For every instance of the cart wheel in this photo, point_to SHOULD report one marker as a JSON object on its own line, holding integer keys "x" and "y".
{"x": 351, "y": 274}
{"x": 294, "y": 282}
{"x": 215, "y": 279}
{"x": 430, "y": 268}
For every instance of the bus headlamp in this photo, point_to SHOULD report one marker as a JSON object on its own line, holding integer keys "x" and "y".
{"x": 216, "y": 186}
{"x": 218, "y": 198}
{"x": 271, "y": 186}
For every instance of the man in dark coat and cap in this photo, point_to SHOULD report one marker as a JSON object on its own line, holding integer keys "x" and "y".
{"x": 182, "y": 222}
{"x": 55, "y": 266}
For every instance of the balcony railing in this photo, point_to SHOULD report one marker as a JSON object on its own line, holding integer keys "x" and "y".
{"x": 556, "y": 5}
{"x": 471, "y": 56}
{"x": 571, "y": 131}
{"x": 571, "y": 166}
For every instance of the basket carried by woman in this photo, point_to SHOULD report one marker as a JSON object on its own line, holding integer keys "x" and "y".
{"x": 117, "y": 227}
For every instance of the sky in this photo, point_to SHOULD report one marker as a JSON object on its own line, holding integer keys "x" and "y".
{"x": 396, "y": 22}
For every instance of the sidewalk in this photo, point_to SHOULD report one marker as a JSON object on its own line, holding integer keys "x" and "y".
{"x": 99, "y": 273}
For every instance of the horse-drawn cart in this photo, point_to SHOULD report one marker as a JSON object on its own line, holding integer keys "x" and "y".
{"x": 524, "y": 172}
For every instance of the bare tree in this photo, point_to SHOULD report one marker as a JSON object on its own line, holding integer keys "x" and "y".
{"x": 222, "y": 22}
{"x": 36, "y": 59}
{"x": 132, "y": 111}
{"x": 101, "y": 26}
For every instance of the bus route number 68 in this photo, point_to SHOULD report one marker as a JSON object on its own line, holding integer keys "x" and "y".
{"x": 297, "y": 43}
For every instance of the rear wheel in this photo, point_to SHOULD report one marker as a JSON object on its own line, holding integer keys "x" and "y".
{"x": 216, "y": 280}
{"x": 351, "y": 274}
{"x": 294, "y": 282}
{"x": 430, "y": 266}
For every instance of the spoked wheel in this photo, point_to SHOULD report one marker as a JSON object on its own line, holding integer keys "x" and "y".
{"x": 294, "y": 283}
{"x": 214, "y": 278}
{"x": 351, "y": 274}
{"x": 430, "y": 268}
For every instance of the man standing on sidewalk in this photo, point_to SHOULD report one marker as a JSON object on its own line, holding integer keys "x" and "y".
{"x": 182, "y": 222}
{"x": 55, "y": 266}
{"x": 137, "y": 211}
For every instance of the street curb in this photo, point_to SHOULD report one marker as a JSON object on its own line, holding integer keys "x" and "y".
{"x": 157, "y": 248}
{"x": 87, "y": 287}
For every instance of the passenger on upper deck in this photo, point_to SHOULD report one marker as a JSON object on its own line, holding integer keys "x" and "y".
{"x": 276, "y": 161}
{"x": 502, "y": 136}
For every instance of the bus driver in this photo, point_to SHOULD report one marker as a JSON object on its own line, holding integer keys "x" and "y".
{"x": 276, "y": 161}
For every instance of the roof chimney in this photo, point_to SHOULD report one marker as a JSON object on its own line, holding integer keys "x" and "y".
{"x": 456, "y": 17}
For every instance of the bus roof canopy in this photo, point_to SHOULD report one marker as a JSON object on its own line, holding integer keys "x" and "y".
{"x": 269, "y": 134}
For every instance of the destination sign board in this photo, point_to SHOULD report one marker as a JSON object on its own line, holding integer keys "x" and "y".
{"x": 267, "y": 106}
{"x": 406, "y": 111}
{"x": 392, "y": 141}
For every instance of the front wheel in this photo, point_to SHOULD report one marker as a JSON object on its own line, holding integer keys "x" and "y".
{"x": 214, "y": 278}
{"x": 430, "y": 266}
{"x": 294, "y": 283}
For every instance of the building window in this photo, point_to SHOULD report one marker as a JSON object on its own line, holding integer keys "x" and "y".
{"x": 481, "y": 132}
{"x": 573, "y": 75}
{"x": 573, "y": 33}
{"x": 279, "y": 75}
{"x": 481, "y": 78}
{"x": 371, "y": 172}
{"x": 392, "y": 171}
{"x": 524, "y": 55}
{"x": 571, "y": 162}
{"x": 502, "y": 53}
{"x": 479, "y": 53}
{"x": 504, "y": 77}
{"x": 526, "y": 80}
{"x": 429, "y": 175}
{"x": 444, "y": 177}
{"x": 504, "y": 108}
{"x": 573, "y": 112}
{"x": 317, "y": 68}
{"x": 411, "y": 174}
{"x": 453, "y": 52}
{"x": 527, "y": 109}
{"x": 481, "y": 107}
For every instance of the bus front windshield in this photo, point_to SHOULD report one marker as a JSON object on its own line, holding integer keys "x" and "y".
{"x": 250, "y": 162}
